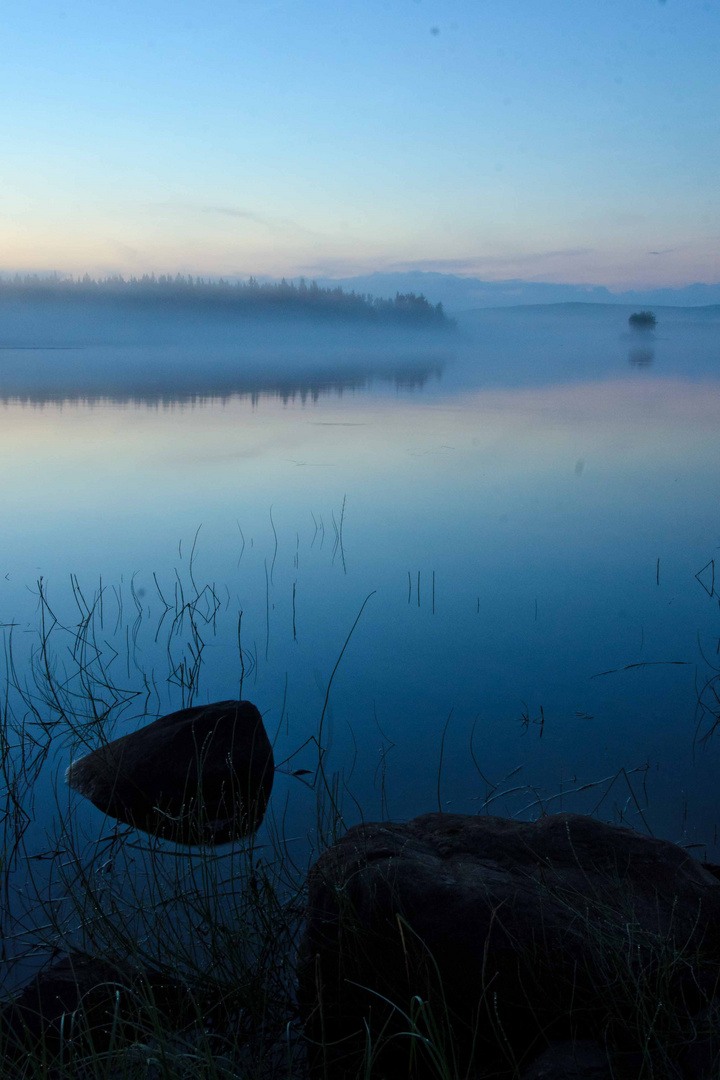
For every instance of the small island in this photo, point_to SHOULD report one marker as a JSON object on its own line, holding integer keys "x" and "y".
{"x": 643, "y": 320}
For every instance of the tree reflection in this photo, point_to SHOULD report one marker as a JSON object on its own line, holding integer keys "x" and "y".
{"x": 641, "y": 357}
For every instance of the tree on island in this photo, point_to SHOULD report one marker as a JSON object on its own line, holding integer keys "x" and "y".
{"x": 643, "y": 320}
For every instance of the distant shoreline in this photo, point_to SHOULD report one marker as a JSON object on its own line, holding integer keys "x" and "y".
{"x": 187, "y": 294}
{"x": 585, "y": 307}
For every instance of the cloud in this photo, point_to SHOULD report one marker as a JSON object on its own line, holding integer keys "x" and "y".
{"x": 442, "y": 266}
{"x": 240, "y": 213}
{"x": 273, "y": 224}
{"x": 478, "y": 262}
{"x": 665, "y": 251}
{"x": 332, "y": 267}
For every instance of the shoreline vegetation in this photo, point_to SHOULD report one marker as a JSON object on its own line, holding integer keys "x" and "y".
{"x": 186, "y": 293}
{"x": 162, "y": 963}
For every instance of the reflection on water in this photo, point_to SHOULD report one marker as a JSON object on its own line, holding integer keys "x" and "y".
{"x": 528, "y": 514}
{"x": 89, "y": 353}
{"x": 641, "y": 357}
{"x": 92, "y": 378}
{"x": 642, "y": 353}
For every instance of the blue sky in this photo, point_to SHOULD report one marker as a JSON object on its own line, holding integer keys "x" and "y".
{"x": 568, "y": 140}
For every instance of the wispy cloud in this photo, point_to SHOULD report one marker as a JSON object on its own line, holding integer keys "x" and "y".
{"x": 478, "y": 262}
{"x": 464, "y": 266}
{"x": 473, "y": 264}
{"x": 339, "y": 267}
{"x": 277, "y": 225}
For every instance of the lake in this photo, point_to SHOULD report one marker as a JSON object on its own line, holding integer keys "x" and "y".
{"x": 530, "y": 505}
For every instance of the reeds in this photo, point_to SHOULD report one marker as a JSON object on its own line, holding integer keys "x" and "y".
{"x": 221, "y": 926}
{"x": 205, "y": 941}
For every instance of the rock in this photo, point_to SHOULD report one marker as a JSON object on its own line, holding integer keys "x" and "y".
{"x": 200, "y": 775}
{"x": 712, "y": 868}
{"x": 487, "y": 937}
{"x": 701, "y": 1059}
{"x": 85, "y": 1004}
{"x": 582, "y": 1060}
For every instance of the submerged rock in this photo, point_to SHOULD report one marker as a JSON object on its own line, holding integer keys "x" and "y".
{"x": 483, "y": 938}
{"x": 85, "y": 1004}
{"x": 582, "y": 1060}
{"x": 198, "y": 776}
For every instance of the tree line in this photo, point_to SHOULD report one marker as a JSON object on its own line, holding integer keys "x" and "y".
{"x": 251, "y": 296}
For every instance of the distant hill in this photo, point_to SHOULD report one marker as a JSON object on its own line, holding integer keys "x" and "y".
{"x": 459, "y": 294}
{"x": 587, "y": 313}
{"x": 418, "y": 297}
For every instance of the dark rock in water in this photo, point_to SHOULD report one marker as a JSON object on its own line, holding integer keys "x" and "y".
{"x": 582, "y": 1060}
{"x": 488, "y": 937}
{"x": 84, "y": 1004}
{"x": 712, "y": 868}
{"x": 198, "y": 776}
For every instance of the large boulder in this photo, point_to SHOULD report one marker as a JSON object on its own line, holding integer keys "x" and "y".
{"x": 476, "y": 940}
{"x": 200, "y": 775}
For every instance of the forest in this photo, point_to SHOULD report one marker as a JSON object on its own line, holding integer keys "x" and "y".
{"x": 251, "y": 297}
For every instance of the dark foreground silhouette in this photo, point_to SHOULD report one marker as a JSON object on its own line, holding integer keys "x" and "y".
{"x": 198, "y": 776}
{"x": 493, "y": 937}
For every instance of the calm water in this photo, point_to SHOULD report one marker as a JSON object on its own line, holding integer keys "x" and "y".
{"x": 528, "y": 503}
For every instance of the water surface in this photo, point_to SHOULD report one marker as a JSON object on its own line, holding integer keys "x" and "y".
{"x": 529, "y": 502}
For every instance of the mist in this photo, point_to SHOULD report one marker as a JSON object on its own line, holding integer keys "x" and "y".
{"x": 78, "y": 348}
{"x": 65, "y": 345}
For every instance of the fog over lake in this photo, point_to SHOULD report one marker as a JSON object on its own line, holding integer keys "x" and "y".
{"x": 529, "y": 498}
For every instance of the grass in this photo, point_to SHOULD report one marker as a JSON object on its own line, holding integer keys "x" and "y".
{"x": 221, "y": 923}
{"x": 648, "y": 997}
{"x": 204, "y": 942}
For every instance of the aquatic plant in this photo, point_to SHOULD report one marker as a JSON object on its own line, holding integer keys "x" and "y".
{"x": 199, "y": 946}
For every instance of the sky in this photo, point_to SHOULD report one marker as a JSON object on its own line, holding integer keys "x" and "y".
{"x": 570, "y": 140}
